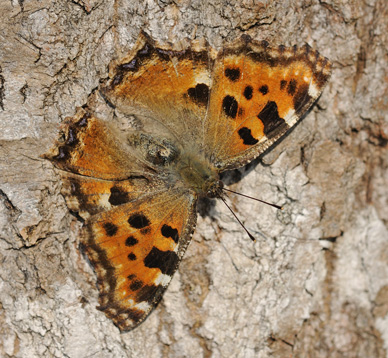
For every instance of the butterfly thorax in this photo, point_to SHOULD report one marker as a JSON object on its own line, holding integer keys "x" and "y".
{"x": 199, "y": 175}
{"x": 185, "y": 167}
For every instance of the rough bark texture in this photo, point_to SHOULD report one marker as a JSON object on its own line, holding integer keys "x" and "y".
{"x": 315, "y": 284}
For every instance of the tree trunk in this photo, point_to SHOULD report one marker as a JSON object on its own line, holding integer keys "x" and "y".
{"x": 315, "y": 284}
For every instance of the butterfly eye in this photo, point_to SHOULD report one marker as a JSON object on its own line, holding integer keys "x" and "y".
{"x": 214, "y": 188}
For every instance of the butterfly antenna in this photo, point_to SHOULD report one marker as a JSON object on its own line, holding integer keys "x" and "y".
{"x": 250, "y": 197}
{"x": 239, "y": 221}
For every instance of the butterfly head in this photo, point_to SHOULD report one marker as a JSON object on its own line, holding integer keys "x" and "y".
{"x": 213, "y": 188}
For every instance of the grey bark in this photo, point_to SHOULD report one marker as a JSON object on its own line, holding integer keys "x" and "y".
{"x": 315, "y": 284}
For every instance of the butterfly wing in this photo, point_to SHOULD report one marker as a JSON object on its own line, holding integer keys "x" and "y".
{"x": 233, "y": 104}
{"x": 88, "y": 147}
{"x": 258, "y": 94}
{"x": 169, "y": 90}
{"x": 136, "y": 229}
{"x": 135, "y": 249}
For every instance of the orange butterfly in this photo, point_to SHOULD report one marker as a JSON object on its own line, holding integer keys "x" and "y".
{"x": 196, "y": 113}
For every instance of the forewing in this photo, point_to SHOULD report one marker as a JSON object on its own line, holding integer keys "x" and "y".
{"x": 258, "y": 94}
{"x": 168, "y": 89}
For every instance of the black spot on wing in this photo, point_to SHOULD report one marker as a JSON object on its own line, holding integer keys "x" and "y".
{"x": 71, "y": 142}
{"x": 110, "y": 229}
{"x": 83, "y": 203}
{"x": 283, "y": 84}
{"x": 246, "y": 135}
{"x": 118, "y": 196}
{"x": 263, "y": 89}
{"x": 83, "y": 122}
{"x": 165, "y": 261}
{"x": 117, "y": 79}
{"x": 130, "y": 241}
{"x": 63, "y": 153}
{"x": 199, "y": 93}
{"x": 145, "y": 51}
{"x": 71, "y": 137}
{"x": 148, "y": 293}
{"x": 138, "y": 221}
{"x": 130, "y": 66}
{"x": 269, "y": 115}
{"x": 248, "y": 92}
{"x": 301, "y": 98}
{"x": 142, "y": 56}
{"x": 168, "y": 231}
{"x": 291, "y": 88}
{"x": 132, "y": 257}
{"x": 230, "y": 106}
{"x": 232, "y": 73}
{"x": 136, "y": 284}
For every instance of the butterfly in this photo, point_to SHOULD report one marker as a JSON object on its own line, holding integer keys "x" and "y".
{"x": 194, "y": 112}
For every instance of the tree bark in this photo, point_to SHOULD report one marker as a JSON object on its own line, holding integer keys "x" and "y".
{"x": 315, "y": 284}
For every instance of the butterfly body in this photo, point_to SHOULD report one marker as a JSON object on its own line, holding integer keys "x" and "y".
{"x": 200, "y": 112}
{"x": 182, "y": 167}
{"x": 198, "y": 175}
